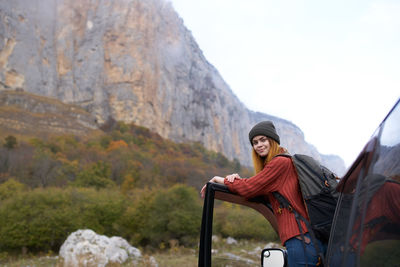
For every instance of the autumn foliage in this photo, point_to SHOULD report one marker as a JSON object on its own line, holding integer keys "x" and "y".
{"x": 128, "y": 182}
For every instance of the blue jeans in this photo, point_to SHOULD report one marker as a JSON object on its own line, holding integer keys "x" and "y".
{"x": 298, "y": 257}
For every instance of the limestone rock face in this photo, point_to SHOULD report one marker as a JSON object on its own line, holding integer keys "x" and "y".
{"x": 133, "y": 61}
{"x": 86, "y": 248}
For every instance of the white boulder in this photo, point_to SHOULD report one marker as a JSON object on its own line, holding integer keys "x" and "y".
{"x": 86, "y": 248}
{"x": 231, "y": 241}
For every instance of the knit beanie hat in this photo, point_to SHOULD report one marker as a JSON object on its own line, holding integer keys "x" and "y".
{"x": 266, "y": 128}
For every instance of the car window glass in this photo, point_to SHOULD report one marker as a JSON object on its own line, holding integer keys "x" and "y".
{"x": 367, "y": 228}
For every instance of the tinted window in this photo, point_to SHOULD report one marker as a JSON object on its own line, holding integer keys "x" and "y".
{"x": 367, "y": 228}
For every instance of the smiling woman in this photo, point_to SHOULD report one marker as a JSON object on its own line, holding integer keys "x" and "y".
{"x": 276, "y": 173}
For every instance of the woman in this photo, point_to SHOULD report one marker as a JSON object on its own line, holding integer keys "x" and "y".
{"x": 275, "y": 174}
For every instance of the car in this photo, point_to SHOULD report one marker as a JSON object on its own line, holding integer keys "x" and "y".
{"x": 366, "y": 224}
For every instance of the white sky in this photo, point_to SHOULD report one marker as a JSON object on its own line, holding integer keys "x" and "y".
{"x": 330, "y": 67}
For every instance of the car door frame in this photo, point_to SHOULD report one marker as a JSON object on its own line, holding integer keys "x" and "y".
{"x": 221, "y": 192}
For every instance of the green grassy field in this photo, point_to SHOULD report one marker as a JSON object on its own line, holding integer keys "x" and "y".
{"x": 243, "y": 253}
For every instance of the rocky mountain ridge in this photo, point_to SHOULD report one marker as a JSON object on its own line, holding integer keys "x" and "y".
{"x": 132, "y": 61}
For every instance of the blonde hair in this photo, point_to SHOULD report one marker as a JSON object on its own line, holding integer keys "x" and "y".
{"x": 260, "y": 162}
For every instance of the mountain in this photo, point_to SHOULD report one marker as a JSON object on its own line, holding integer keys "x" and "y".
{"x": 131, "y": 61}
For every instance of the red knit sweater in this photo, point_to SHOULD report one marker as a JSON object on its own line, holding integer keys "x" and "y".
{"x": 278, "y": 175}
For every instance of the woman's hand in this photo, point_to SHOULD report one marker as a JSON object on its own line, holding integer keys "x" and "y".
{"x": 215, "y": 179}
{"x": 232, "y": 177}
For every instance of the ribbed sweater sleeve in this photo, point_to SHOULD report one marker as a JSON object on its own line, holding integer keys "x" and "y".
{"x": 270, "y": 179}
{"x": 266, "y": 181}
{"x": 278, "y": 175}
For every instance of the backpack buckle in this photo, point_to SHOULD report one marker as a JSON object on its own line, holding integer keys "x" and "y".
{"x": 319, "y": 263}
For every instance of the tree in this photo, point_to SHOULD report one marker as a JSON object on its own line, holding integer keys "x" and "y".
{"x": 114, "y": 145}
{"x": 162, "y": 215}
{"x": 11, "y": 142}
{"x": 96, "y": 175}
{"x": 10, "y": 187}
{"x": 44, "y": 169}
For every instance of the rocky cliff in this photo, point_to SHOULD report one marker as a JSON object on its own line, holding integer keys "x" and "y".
{"x": 134, "y": 61}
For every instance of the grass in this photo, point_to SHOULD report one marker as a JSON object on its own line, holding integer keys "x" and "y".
{"x": 27, "y": 260}
{"x": 244, "y": 253}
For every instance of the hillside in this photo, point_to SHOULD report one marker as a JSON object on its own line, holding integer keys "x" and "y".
{"x": 26, "y": 114}
{"x": 131, "y": 61}
{"x": 122, "y": 155}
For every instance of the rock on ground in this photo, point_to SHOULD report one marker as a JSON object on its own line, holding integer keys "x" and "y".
{"x": 86, "y": 248}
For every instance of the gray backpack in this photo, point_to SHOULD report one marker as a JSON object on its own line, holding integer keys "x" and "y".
{"x": 318, "y": 187}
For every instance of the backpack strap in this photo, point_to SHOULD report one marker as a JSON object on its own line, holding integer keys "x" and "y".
{"x": 284, "y": 154}
{"x": 284, "y": 203}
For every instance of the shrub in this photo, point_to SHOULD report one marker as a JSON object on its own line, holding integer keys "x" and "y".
{"x": 10, "y": 188}
{"x": 180, "y": 214}
{"x": 97, "y": 175}
{"x": 41, "y": 219}
{"x": 10, "y": 142}
{"x": 36, "y": 220}
{"x": 99, "y": 210}
{"x": 242, "y": 222}
{"x": 161, "y": 215}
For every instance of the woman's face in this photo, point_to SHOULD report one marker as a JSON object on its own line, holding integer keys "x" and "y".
{"x": 261, "y": 145}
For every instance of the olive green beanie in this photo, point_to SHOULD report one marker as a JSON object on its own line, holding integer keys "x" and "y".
{"x": 265, "y": 128}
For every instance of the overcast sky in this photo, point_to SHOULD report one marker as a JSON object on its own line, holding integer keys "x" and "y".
{"x": 330, "y": 67}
